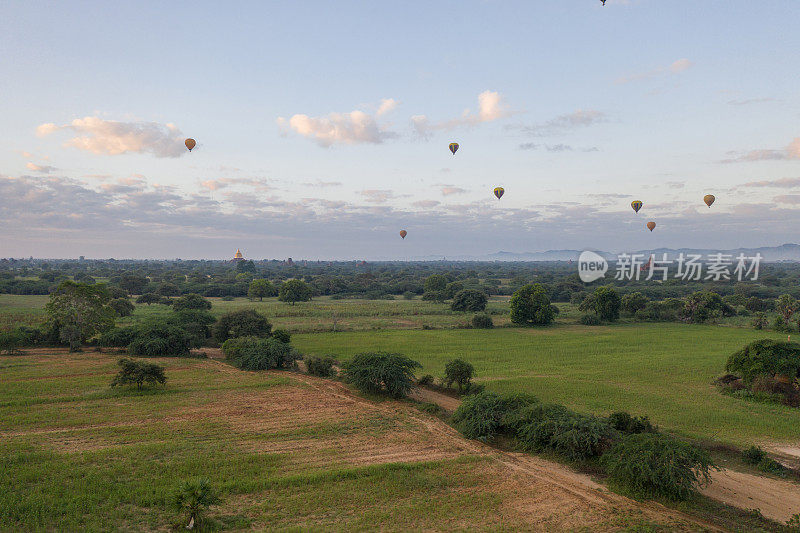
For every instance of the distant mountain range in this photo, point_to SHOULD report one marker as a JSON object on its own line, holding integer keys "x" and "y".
{"x": 784, "y": 252}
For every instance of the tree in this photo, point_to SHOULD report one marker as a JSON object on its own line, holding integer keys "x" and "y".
{"x": 133, "y": 283}
{"x": 373, "y": 371}
{"x": 138, "y": 373}
{"x": 633, "y": 302}
{"x": 261, "y": 288}
{"x": 245, "y": 323}
{"x": 606, "y": 303}
{"x": 459, "y": 372}
{"x": 149, "y": 298}
{"x": 766, "y": 357}
{"x": 469, "y": 300}
{"x": 255, "y": 353}
{"x": 191, "y": 301}
{"x": 705, "y": 305}
{"x": 294, "y": 290}
{"x": 122, "y": 307}
{"x": 435, "y": 283}
{"x": 245, "y": 266}
{"x": 79, "y": 311}
{"x": 157, "y": 339}
{"x": 530, "y": 306}
{"x": 786, "y": 306}
{"x": 168, "y": 289}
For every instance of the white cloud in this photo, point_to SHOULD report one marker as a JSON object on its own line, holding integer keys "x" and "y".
{"x": 448, "y": 190}
{"x": 562, "y": 124}
{"x": 426, "y": 203}
{"x": 681, "y": 65}
{"x": 491, "y": 107}
{"x": 323, "y": 184}
{"x": 44, "y": 169}
{"x": 354, "y": 127}
{"x": 387, "y": 105}
{"x": 791, "y": 151}
{"x": 110, "y": 137}
{"x": 377, "y": 196}
{"x": 785, "y": 183}
{"x": 222, "y": 183}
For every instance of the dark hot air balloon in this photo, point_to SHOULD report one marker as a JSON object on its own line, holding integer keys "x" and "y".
{"x": 636, "y": 205}
{"x": 499, "y": 192}
{"x": 454, "y": 148}
{"x": 190, "y": 143}
{"x": 651, "y": 226}
{"x": 403, "y": 233}
{"x": 709, "y": 199}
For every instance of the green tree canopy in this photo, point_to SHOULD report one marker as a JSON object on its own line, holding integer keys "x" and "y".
{"x": 295, "y": 290}
{"x": 261, "y": 288}
{"x": 469, "y": 300}
{"x": 79, "y": 311}
{"x": 530, "y": 306}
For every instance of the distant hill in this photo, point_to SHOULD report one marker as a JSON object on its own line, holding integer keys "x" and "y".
{"x": 784, "y": 252}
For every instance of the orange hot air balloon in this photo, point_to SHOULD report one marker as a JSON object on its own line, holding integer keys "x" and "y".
{"x": 454, "y": 148}
{"x": 190, "y": 143}
{"x": 651, "y": 226}
{"x": 709, "y": 199}
{"x": 636, "y": 205}
{"x": 403, "y": 233}
{"x": 499, "y": 192}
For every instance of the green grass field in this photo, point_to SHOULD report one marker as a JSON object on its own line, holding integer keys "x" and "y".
{"x": 76, "y": 455}
{"x": 660, "y": 370}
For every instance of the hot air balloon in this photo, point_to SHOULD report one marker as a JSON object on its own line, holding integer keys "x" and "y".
{"x": 499, "y": 192}
{"x": 709, "y": 199}
{"x": 403, "y": 233}
{"x": 190, "y": 143}
{"x": 651, "y": 226}
{"x": 454, "y": 148}
{"x": 636, "y": 205}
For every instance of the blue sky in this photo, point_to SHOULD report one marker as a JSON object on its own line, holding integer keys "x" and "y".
{"x": 322, "y": 127}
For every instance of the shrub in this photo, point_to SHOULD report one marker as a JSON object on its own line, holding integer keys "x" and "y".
{"x": 652, "y": 464}
{"x": 582, "y": 437}
{"x": 10, "y": 342}
{"x": 192, "y": 499}
{"x": 122, "y": 307}
{"x": 634, "y": 302}
{"x": 118, "y": 337}
{"x": 753, "y": 455}
{"x": 482, "y": 321}
{"x": 469, "y": 300}
{"x": 227, "y": 298}
{"x": 245, "y": 323}
{"x": 281, "y": 335}
{"x": 256, "y": 353}
{"x": 138, "y": 373}
{"x": 590, "y": 320}
{"x": 408, "y": 295}
{"x": 766, "y": 357}
{"x": 623, "y": 422}
{"x": 196, "y": 322}
{"x": 425, "y": 381}
{"x": 480, "y": 416}
{"x": 606, "y": 303}
{"x": 530, "y": 306}
{"x": 540, "y": 424}
{"x": 459, "y": 372}
{"x": 434, "y": 296}
{"x": 191, "y": 301}
{"x": 320, "y": 366}
{"x": 373, "y": 371}
{"x": 161, "y": 339}
{"x": 760, "y": 321}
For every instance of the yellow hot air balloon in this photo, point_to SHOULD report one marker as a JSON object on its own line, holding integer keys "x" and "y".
{"x": 636, "y": 205}
{"x": 190, "y": 143}
{"x": 651, "y": 226}
{"x": 454, "y": 148}
{"x": 709, "y": 199}
{"x": 499, "y": 192}
{"x": 403, "y": 233}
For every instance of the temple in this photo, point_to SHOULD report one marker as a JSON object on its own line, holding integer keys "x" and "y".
{"x": 238, "y": 256}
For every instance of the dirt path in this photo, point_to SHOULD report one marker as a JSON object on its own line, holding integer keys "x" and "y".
{"x": 546, "y": 473}
{"x": 776, "y": 499}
